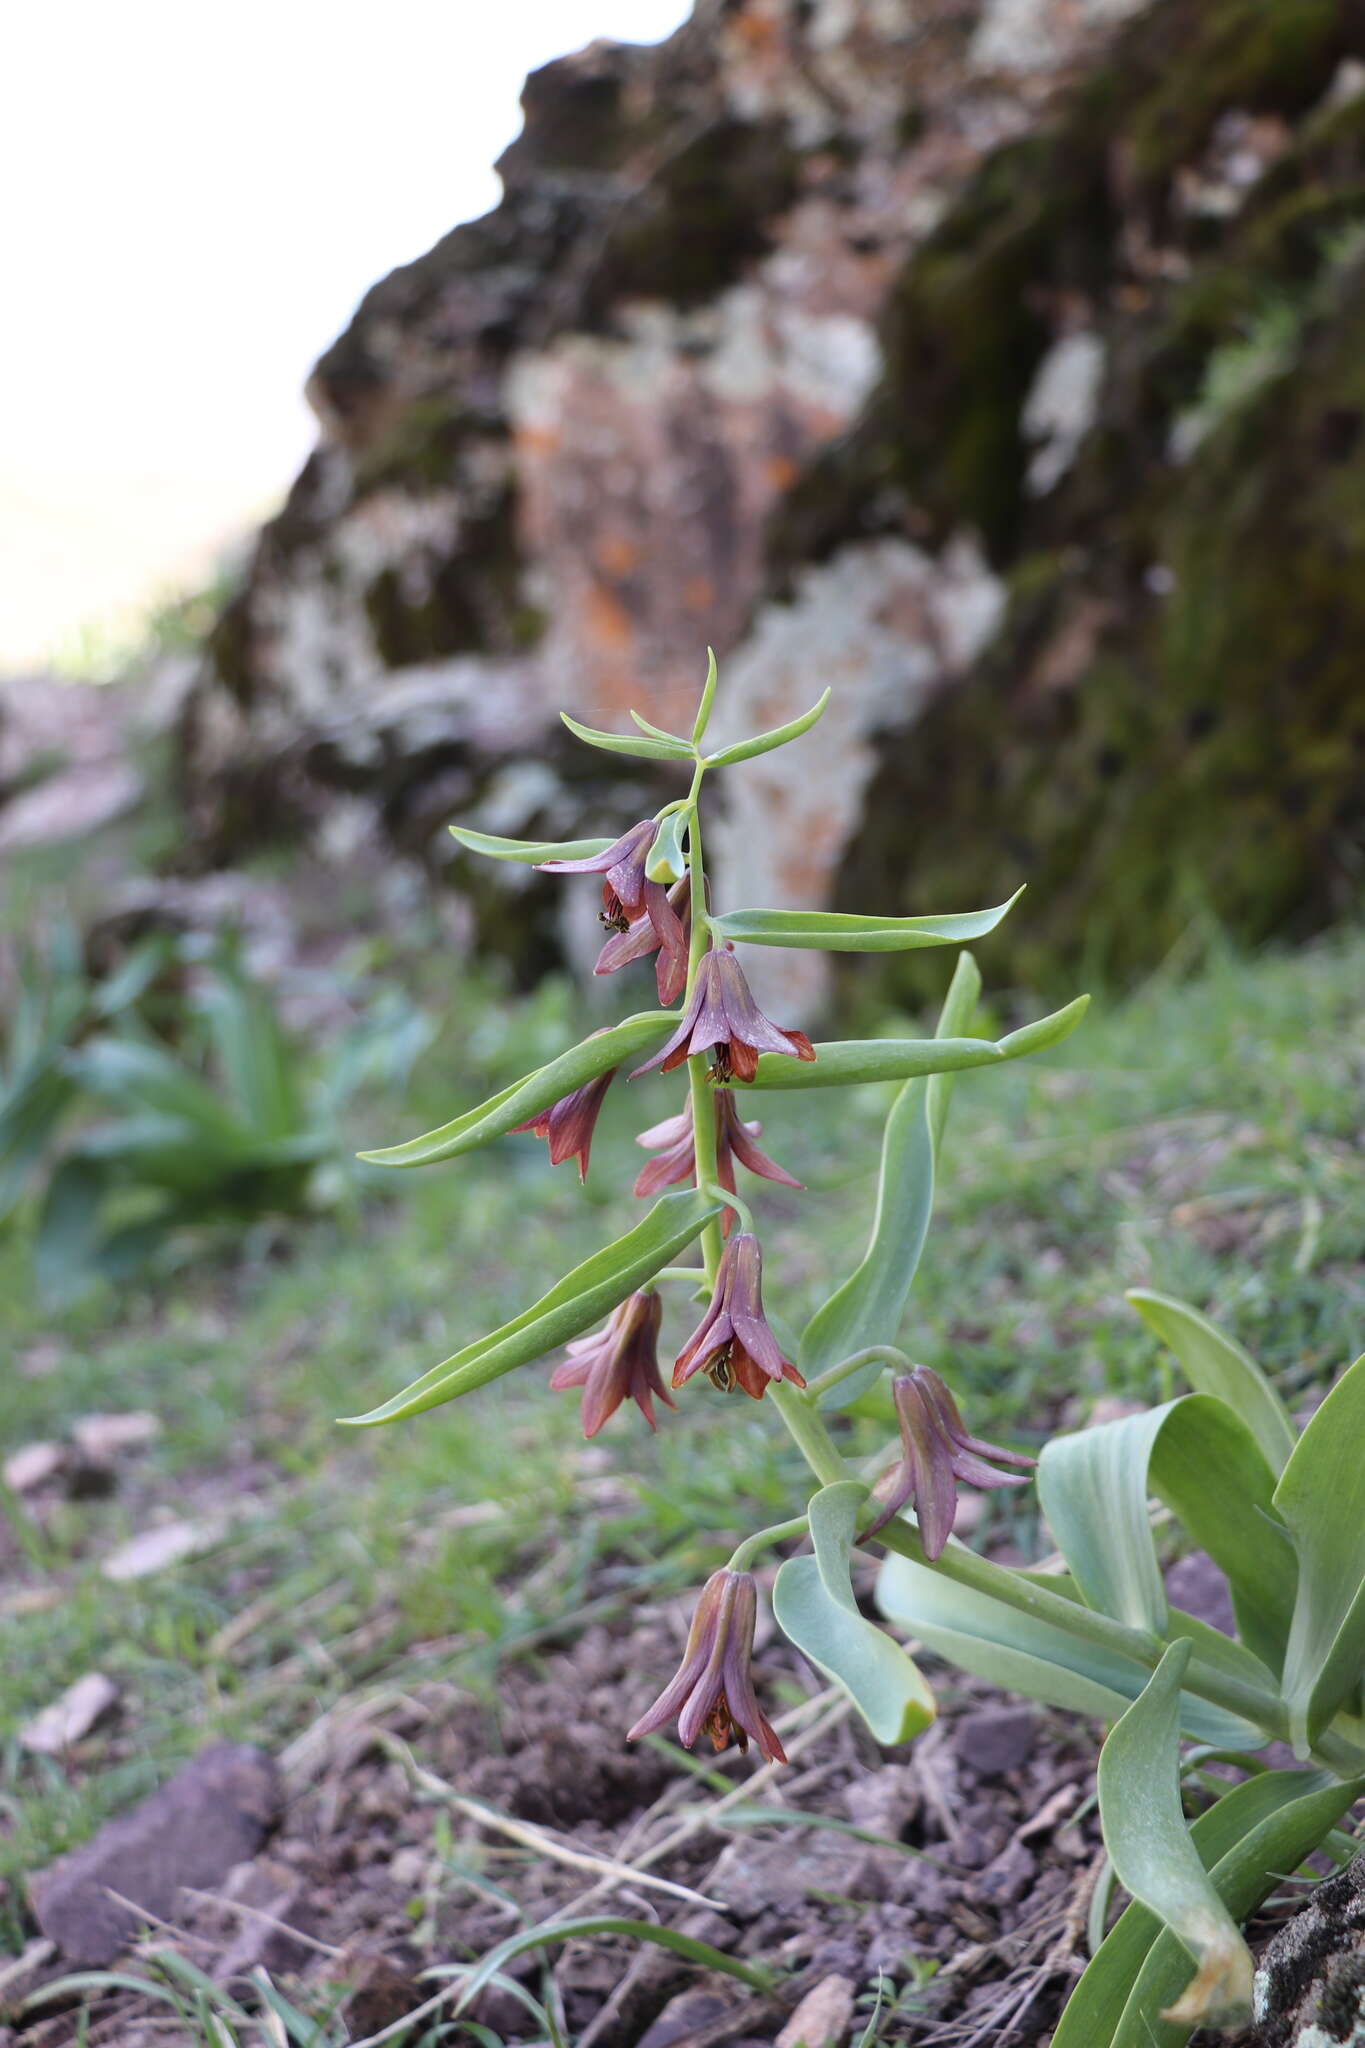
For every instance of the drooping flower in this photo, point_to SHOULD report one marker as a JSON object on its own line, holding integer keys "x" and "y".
{"x": 723, "y": 1014}
{"x": 663, "y": 927}
{"x": 673, "y": 1141}
{"x": 568, "y": 1125}
{"x": 623, "y": 866}
{"x": 620, "y": 1363}
{"x": 714, "y": 1687}
{"x": 937, "y": 1452}
{"x": 732, "y": 1343}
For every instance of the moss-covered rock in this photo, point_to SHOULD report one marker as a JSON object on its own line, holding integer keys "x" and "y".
{"x": 1171, "y": 724}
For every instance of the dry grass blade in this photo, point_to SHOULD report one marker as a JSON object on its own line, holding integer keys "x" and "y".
{"x": 539, "y": 1839}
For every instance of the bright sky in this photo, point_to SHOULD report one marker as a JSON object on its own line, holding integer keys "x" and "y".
{"x": 195, "y": 197}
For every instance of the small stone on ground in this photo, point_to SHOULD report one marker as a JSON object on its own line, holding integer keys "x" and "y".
{"x": 211, "y": 1815}
{"x": 71, "y": 1716}
{"x": 156, "y": 1548}
{"x": 823, "y": 2018}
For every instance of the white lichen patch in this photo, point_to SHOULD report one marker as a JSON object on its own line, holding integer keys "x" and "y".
{"x": 1022, "y": 36}
{"x": 884, "y": 624}
{"x": 1061, "y": 407}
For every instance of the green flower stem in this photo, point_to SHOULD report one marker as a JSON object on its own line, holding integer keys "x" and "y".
{"x": 875, "y": 1354}
{"x": 740, "y": 1207}
{"x": 695, "y": 1274}
{"x": 780, "y": 1532}
{"x": 698, "y": 1068}
{"x": 809, "y": 1433}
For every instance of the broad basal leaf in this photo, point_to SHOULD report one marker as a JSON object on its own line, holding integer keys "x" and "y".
{"x": 572, "y": 1306}
{"x": 1203, "y": 1461}
{"x": 1321, "y": 1496}
{"x": 1256, "y": 1833}
{"x": 1214, "y": 1364}
{"x": 1150, "y": 1847}
{"x": 814, "y": 1605}
{"x": 525, "y": 1098}
{"x": 1023, "y": 1653}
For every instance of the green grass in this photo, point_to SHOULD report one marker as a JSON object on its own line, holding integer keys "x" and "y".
{"x": 1202, "y": 1138}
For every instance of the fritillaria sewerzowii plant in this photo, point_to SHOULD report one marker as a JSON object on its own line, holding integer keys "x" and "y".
{"x": 1283, "y": 1517}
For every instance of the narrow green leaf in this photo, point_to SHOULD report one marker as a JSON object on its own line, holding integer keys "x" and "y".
{"x": 29, "y": 1120}
{"x": 1256, "y": 1833}
{"x": 832, "y": 931}
{"x": 1321, "y": 1496}
{"x": 65, "y": 1250}
{"x": 641, "y": 746}
{"x": 1214, "y": 1364}
{"x": 530, "y": 852}
{"x": 764, "y": 742}
{"x": 527, "y": 1097}
{"x": 843, "y": 1063}
{"x": 130, "y": 982}
{"x": 814, "y": 1605}
{"x": 655, "y": 732}
{"x": 550, "y": 1932}
{"x": 572, "y": 1306}
{"x": 125, "y": 1070}
{"x": 666, "y": 862}
{"x": 868, "y": 1308}
{"x": 1150, "y": 1847}
{"x": 259, "y": 1065}
{"x": 708, "y": 698}
{"x": 1021, "y": 1653}
{"x": 1201, "y": 1459}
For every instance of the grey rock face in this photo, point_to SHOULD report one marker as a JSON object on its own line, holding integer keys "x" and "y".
{"x": 211, "y": 1815}
{"x": 1310, "y": 1984}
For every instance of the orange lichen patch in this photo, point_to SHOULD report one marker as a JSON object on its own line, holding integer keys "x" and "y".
{"x": 606, "y": 621}
{"x": 616, "y": 555}
{"x": 538, "y": 441}
{"x": 781, "y": 471}
{"x": 699, "y": 593}
{"x": 759, "y": 31}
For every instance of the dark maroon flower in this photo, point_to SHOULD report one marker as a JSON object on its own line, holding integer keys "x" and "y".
{"x": 936, "y": 1452}
{"x": 714, "y": 1688}
{"x": 619, "y": 1363}
{"x": 723, "y": 1014}
{"x": 732, "y": 1343}
{"x": 568, "y": 1125}
{"x": 623, "y": 865}
{"x": 663, "y": 927}
{"x": 677, "y": 1161}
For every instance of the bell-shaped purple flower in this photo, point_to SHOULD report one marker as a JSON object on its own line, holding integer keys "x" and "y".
{"x": 677, "y": 1162}
{"x": 568, "y": 1125}
{"x": 723, "y": 1014}
{"x": 714, "y": 1688}
{"x": 622, "y": 864}
{"x": 620, "y": 1363}
{"x": 663, "y": 927}
{"x": 732, "y": 1343}
{"x": 937, "y": 1452}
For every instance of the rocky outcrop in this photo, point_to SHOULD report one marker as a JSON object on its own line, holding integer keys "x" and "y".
{"x": 996, "y": 363}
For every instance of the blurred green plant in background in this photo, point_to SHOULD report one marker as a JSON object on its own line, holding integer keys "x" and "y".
{"x": 142, "y": 1108}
